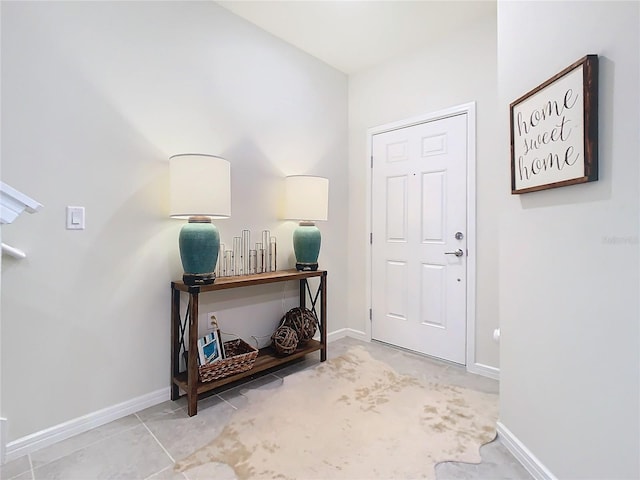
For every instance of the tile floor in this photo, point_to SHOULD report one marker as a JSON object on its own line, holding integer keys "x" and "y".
{"x": 146, "y": 444}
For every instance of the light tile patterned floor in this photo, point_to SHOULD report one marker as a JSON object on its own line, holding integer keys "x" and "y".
{"x": 146, "y": 444}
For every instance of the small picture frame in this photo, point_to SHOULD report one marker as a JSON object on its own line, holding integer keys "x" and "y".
{"x": 210, "y": 348}
{"x": 554, "y": 130}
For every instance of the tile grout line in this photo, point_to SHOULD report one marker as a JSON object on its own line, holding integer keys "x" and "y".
{"x": 184, "y": 475}
{"x": 227, "y": 401}
{"x": 80, "y": 448}
{"x": 33, "y": 472}
{"x": 156, "y": 439}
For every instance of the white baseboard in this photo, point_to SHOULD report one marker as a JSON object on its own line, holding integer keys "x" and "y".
{"x": 484, "y": 370}
{"x": 336, "y": 335}
{"x": 524, "y": 455}
{"x": 357, "y": 334}
{"x": 3, "y": 440}
{"x": 65, "y": 430}
{"x": 346, "y": 332}
{"x": 57, "y": 433}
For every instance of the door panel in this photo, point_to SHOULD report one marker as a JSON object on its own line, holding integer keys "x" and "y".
{"x": 396, "y": 288}
{"x": 433, "y": 289}
{"x": 396, "y": 209}
{"x": 419, "y": 203}
{"x": 433, "y": 208}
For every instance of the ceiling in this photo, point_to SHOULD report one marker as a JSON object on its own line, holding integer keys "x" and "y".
{"x": 354, "y": 35}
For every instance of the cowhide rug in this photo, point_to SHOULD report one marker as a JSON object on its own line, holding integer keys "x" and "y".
{"x": 352, "y": 417}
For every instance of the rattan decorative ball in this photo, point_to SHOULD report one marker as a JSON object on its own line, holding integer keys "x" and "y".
{"x": 303, "y": 321}
{"x": 285, "y": 340}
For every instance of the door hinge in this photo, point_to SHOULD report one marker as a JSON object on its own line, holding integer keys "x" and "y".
{"x": 371, "y": 238}
{"x": 370, "y": 314}
{"x": 371, "y": 161}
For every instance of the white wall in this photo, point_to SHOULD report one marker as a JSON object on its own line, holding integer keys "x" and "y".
{"x": 459, "y": 69}
{"x": 95, "y": 98}
{"x": 569, "y": 256}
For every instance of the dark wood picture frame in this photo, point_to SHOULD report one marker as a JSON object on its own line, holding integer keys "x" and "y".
{"x": 554, "y": 130}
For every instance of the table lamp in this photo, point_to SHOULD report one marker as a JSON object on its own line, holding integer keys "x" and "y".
{"x": 200, "y": 191}
{"x": 306, "y": 200}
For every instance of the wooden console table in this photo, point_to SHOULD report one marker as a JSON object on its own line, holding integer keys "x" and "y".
{"x": 184, "y": 332}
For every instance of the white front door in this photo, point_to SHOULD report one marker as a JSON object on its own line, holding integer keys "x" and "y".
{"x": 419, "y": 217}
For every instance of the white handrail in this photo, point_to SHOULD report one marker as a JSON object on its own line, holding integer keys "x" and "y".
{"x": 14, "y": 202}
{"x": 13, "y": 251}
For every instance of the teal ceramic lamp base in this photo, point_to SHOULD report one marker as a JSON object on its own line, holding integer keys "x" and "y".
{"x": 306, "y": 245}
{"x": 199, "y": 245}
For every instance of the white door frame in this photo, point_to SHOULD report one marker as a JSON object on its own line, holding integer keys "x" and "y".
{"x": 470, "y": 110}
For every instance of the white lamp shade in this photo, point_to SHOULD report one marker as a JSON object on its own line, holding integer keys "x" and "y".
{"x": 200, "y": 186}
{"x": 307, "y": 197}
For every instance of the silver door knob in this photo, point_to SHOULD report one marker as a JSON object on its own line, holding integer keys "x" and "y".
{"x": 457, "y": 253}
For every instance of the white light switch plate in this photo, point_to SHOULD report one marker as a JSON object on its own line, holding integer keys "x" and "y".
{"x": 75, "y": 218}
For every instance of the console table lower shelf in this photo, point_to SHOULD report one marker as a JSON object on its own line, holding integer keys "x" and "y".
{"x": 265, "y": 360}
{"x": 184, "y": 330}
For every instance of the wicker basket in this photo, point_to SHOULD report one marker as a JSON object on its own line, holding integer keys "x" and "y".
{"x": 239, "y": 357}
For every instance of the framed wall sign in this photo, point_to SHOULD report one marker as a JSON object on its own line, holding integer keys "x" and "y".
{"x": 554, "y": 130}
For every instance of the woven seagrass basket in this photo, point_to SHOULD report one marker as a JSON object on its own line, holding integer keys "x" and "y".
{"x": 239, "y": 357}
